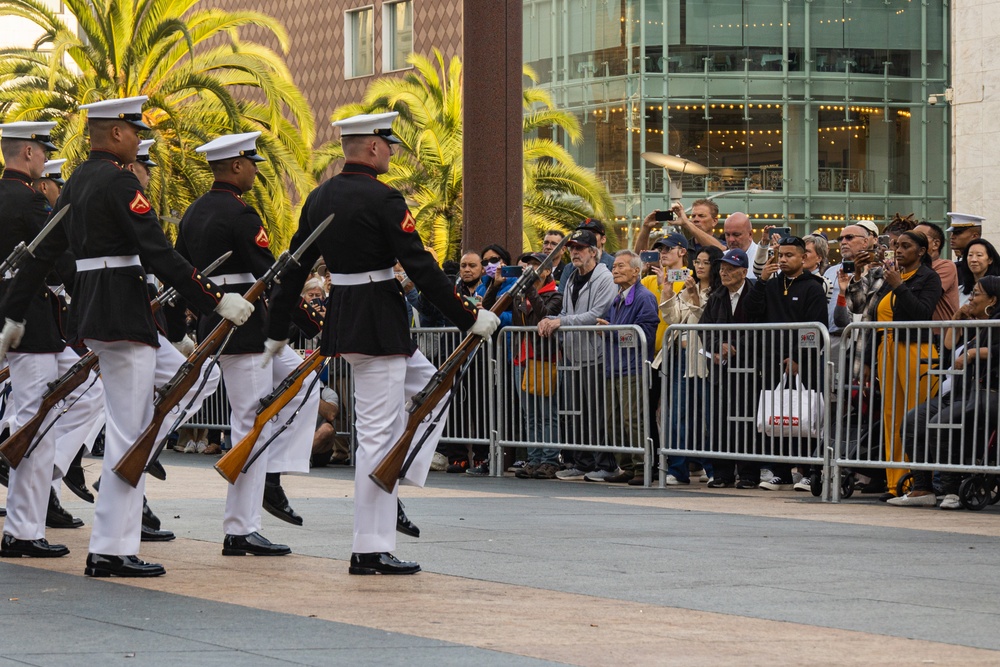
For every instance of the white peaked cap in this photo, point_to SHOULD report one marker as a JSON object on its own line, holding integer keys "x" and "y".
{"x": 29, "y": 131}
{"x": 53, "y": 170}
{"x": 128, "y": 109}
{"x": 962, "y": 220}
{"x": 379, "y": 124}
{"x": 232, "y": 145}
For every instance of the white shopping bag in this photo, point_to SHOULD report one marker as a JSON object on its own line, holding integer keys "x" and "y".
{"x": 790, "y": 412}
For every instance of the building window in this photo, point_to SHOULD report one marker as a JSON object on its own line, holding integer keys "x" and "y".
{"x": 397, "y": 18}
{"x": 359, "y": 54}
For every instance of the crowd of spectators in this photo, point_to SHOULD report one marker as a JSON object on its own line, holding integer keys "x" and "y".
{"x": 572, "y": 387}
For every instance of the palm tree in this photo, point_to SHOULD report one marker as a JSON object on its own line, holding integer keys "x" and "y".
{"x": 189, "y": 62}
{"x": 428, "y": 170}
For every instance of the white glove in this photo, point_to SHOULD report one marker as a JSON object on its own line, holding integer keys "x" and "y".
{"x": 486, "y": 324}
{"x": 11, "y": 336}
{"x": 185, "y": 346}
{"x": 234, "y": 308}
{"x": 271, "y": 348}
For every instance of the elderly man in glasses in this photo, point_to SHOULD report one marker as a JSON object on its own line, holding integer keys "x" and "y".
{"x": 854, "y": 240}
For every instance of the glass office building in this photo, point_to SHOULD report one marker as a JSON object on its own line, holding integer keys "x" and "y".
{"x": 820, "y": 107}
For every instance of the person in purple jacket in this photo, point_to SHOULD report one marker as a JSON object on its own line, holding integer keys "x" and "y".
{"x": 634, "y": 304}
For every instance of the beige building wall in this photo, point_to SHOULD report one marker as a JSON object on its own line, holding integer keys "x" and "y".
{"x": 316, "y": 31}
{"x": 975, "y": 76}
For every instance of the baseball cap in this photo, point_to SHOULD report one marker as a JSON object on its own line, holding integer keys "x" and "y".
{"x": 671, "y": 240}
{"x": 582, "y": 238}
{"x": 736, "y": 257}
{"x": 594, "y": 225}
{"x": 868, "y": 225}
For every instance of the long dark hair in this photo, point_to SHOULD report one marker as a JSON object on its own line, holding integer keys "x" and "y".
{"x": 921, "y": 240}
{"x": 714, "y": 255}
{"x": 966, "y": 280}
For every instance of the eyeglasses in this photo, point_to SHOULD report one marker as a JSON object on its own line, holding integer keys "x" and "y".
{"x": 491, "y": 260}
{"x": 849, "y": 237}
{"x": 699, "y": 262}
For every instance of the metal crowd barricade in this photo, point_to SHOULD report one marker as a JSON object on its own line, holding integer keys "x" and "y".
{"x": 920, "y": 397}
{"x": 728, "y": 396}
{"x": 585, "y": 388}
{"x": 471, "y": 418}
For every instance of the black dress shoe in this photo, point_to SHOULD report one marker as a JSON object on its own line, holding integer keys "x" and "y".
{"x": 276, "y": 503}
{"x": 156, "y": 469}
{"x": 254, "y": 544}
{"x": 149, "y": 520}
{"x": 4, "y": 473}
{"x": 403, "y": 524}
{"x": 383, "y": 563}
{"x": 3, "y": 511}
{"x": 57, "y": 517}
{"x": 100, "y": 565}
{"x": 11, "y": 547}
{"x": 150, "y": 535}
{"x": 76, "y": 481}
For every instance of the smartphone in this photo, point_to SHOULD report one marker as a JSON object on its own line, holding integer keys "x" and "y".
{"x": 890, "y": 257}
{"x": 511, "y": 271}
{"x": 884, "y": 240}
{"x": 650, "y": 256}
{"x": 677, "y": 275}
{"x": 848, "y": 266}
{"x": 663, "y": 216}
{"x": 782, "y": 232}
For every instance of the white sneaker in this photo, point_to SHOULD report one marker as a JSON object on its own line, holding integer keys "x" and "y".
{"x": 570, "y": 473}
{"x": 804, "y": 484}
{"x": 598, "y": 475}
{"x": 670, "y": 480}
{"x": 191, "y": 447}
{"x": 796, "y": 477}
{"x": 698, "y": 473}
{"x": 201, "y": 446}
{"x": 766, "y": 475}
{"x": 704, "y": 477}
{"x": 951, "y": 502}
{"x": 775, "y": 484}
{"x": 914, "y": 501}
{"x": 439, "y": 462}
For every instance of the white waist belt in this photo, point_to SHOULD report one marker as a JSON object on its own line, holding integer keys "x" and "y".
{"x": 7, "y": 275}
{"x": 233, "y": 279}
{"x": 151, "y": 279}
{"x": 362, "y": 278}
{"x": 112, "y": 262}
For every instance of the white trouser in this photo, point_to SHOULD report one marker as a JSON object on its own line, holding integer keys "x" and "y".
{"x": 291, "y": 451}
{"x": 246, "y": 384}
{"x": 130, "y": 371}
{"x": 382, "y": 386}
{"x": 79, "y": 426}
{"x": 28, "y": 495}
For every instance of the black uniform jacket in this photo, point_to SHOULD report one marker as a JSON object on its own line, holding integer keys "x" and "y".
{"x": 110, "y": 216}
{"x": 220, "y": 221}
{"x": 22, "y": 215}
{"x": 372, "y": 229}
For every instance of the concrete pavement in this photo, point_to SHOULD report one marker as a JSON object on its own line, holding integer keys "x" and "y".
{"x": 526, "y": 572}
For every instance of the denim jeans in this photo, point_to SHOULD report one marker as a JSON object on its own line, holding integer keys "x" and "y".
{"x": 540, "y": 422}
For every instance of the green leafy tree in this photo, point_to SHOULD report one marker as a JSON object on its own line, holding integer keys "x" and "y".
{"x": 191, "y": 63}
{"x": 558, "y": 193}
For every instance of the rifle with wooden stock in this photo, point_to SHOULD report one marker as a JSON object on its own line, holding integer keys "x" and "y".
{"x": 22, "y": 442}
{"x": 395, "y": 463}
{"x": 235, "y": 460}
{"x": 145, "y": 449}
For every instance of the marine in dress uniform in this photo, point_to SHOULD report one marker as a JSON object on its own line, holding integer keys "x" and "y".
{"x": 170, "y": 333}
{"x": 366, "y": 320}
{"x": 111, "y": 226}
{"x": 85, "y": 416}
{"x": 217, "y": 222}
{"x": 43, "y": 356}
